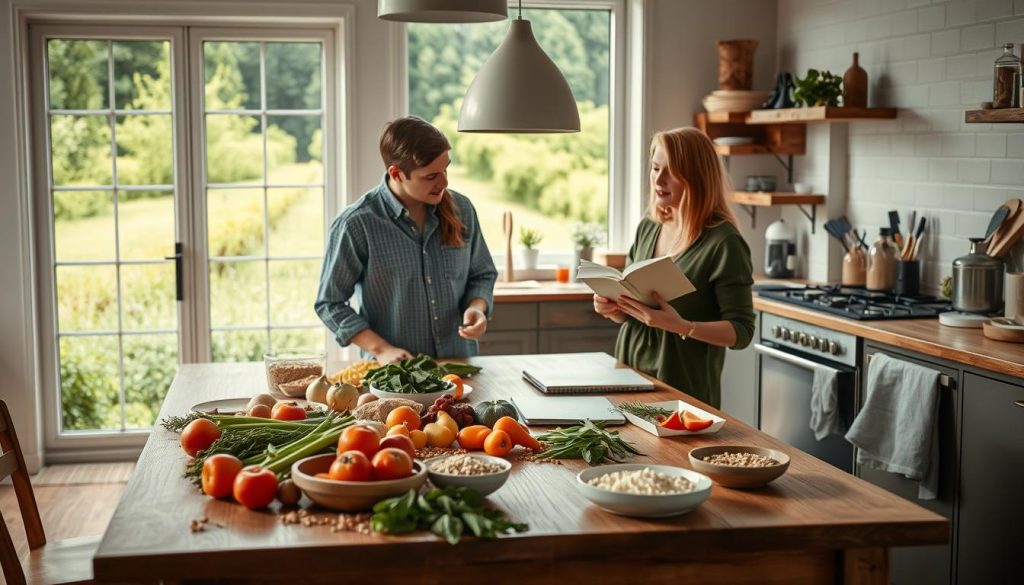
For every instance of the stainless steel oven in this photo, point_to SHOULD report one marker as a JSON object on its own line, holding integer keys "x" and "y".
{"x": 788, "y": 353}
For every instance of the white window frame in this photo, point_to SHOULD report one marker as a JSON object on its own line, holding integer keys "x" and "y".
{"x": 168, "y": 17}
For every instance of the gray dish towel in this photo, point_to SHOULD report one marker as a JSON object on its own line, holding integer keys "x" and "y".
{"x": 825, "y": 416}
{"x": 897, "y": 428}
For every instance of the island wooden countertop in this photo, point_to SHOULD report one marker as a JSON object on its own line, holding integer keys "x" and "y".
{"x": 533, "y": 291}
{"x": 815, "y": 524}
{"x": 927, "y": 336}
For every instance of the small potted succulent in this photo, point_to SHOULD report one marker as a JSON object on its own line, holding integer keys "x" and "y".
{"x": 529, "y": 238}
{"x": 585, "y": 237}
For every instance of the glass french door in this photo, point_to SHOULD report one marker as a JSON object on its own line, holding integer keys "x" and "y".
{"x": 180, "y": 210}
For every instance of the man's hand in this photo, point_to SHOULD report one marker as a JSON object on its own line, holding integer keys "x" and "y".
{"x": 392, "y": 354}
{"x": 474, "y": 324}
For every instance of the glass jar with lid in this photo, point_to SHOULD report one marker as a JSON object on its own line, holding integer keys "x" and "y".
{"x": 882, "y": 259}
{"x": 1007, "y": 75}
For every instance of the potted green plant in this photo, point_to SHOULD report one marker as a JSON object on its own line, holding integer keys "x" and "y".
{"x": 529, "y": 238}
{"x": 585, "y": 237}
{"x": 818, "y": 88}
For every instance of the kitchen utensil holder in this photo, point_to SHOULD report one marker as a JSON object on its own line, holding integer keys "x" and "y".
{"x": 908, "y": 278}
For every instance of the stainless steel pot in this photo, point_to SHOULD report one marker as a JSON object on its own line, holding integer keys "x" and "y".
{"x": 978, "y": 281}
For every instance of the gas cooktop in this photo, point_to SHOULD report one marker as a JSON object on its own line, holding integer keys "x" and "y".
{"x": 859, "y": 303}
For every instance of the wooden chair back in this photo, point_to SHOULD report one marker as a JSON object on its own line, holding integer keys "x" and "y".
{"x": 12, "y": 464}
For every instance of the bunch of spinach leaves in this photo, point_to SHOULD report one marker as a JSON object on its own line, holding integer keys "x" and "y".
{"x": 446, "y": 512}
{"x": 419, "y": 375}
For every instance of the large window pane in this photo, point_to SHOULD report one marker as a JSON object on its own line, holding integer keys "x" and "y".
{"x": 548, "y": 181}
{"x": 142, "y": 75}
{"x": 78, "y": 74}
{"x": 145, "y": 220}
{"x": 282, "y": 339}
{"x": 238, "y": 346}
{"x": 235, "y": 222}
{"x": 293, "y": 286}
{"x": 83, "y": 225}
{"x": 86, "y": 298}
{"x": 234, "y": 149}
{"x": 299, "y": 229}
{"x": 238, "y": 294}
{"x": 150, "y": 362}
{"x": 148, "y": 297}
{"x": 293, "y": 76}
{"x": 294, "y": 153}
{"x": 89, "y": 383}
{"x": 145, "y": 150}
{"x": 232, "y": 74}
{"x": 80, "y": 150}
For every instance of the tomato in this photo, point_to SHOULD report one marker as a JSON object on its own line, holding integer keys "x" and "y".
{"x": 219, "y": 473}
{"x": 673, "y": 422}
{"x": 391, "y": 463}
{"x": 457, "y": 381}
{"x": 359, "y": 438}
{"x": 288, "y": 411}
{"x": 351, "y": 466}
{"x": 400, "y": 442}
{"x": 255, "y": 487}
{"x": 199, "y": 435}
{"x": 693, "y": 422}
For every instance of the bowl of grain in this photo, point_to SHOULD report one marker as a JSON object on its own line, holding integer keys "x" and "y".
{"x": 636, "y": 489}
{"x": 739, "y": 466}
{"x": 483, "y": 473}
{"x": 291, "y": 371}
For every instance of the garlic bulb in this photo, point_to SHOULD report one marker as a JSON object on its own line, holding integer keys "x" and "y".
{"x": 342, "y": 397}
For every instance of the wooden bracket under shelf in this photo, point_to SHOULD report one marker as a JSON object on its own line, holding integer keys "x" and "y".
{"x": 750, "y": 201}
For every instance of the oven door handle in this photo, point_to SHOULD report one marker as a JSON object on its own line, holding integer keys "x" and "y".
{"x": 791, "y": 359}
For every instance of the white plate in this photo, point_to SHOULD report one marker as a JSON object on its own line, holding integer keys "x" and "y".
{"x": 676, "y": 405}
{"x": 424, "y": 399}
{"x": 733, "y": 140}
{"x": 647, "y": 506}
{"x": 233, "y": 405}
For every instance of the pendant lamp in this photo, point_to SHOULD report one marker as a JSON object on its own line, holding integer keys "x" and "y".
{"x": 442, "y": 10}
{"x": 519, "y": 89}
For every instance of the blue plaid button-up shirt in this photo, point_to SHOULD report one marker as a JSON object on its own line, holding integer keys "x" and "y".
{"x": 411, "y": 289}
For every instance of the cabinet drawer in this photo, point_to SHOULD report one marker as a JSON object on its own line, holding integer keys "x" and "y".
{"x": 578, "y": 340}
{"x": 564, "y": 314}
{"x": 508, "y": 343}
{"x": 513, "y": 317}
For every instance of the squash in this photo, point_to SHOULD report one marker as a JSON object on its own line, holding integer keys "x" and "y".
{"x": 488, "y": 413}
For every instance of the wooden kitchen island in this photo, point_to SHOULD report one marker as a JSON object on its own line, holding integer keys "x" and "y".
{"x": 815, "y": 524}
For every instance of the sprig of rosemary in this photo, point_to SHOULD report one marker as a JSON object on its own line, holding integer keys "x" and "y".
{"x": 588, "y": 441}
{"x": 644, "y": 411}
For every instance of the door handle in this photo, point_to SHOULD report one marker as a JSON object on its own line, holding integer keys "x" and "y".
{"x": 944, "y": 380}
{"x": 179, "y": 288}
{"x": 790, "y": 358}
{"x": 1019, "y": 403}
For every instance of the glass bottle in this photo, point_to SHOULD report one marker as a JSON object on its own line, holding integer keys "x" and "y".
{"x": 1007, "y": 71}
{"x": 882, "y": 262}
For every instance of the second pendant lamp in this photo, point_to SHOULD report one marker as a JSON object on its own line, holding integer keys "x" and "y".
{"x": 442, "y": 10}
{"x": 519, "y": 89}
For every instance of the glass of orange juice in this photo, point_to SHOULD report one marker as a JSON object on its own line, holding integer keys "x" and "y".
{"x": 562, "y": 274}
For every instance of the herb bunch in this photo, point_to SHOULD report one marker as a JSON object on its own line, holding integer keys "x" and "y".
{"x": 419, "y": 375}
{"x": 588, "y": 441}
{"x": 644, "y": 411}
{"x": 446, "y": 512}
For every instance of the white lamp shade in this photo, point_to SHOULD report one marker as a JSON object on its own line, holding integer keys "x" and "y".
{"x": 442, "y": 10}
{"x": 519, "y": 89}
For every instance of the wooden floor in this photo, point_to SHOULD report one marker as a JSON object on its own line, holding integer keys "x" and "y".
{"x": 73, "y": 500}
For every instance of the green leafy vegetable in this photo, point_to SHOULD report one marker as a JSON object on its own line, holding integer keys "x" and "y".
{"x": 419, "y": 375}
{"x": 588, "y": 441}
{"x": 644, "y": 411}
{"x": 447, "y": 512}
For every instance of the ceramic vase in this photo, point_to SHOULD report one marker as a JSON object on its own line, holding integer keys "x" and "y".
{"x": 855, "y": 85}
{"x": 529, "y": 257}
{"x": 736, "y": 64}
{"x": 585, "y": 253}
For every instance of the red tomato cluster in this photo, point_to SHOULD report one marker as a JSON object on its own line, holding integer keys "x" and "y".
{"x": 363, "y": 456}
{"x": 253, "y": 486}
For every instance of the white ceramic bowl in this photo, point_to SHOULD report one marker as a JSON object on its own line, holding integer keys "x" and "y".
{"x": 644, "y": 505}
{"x": 350, "y": 496}
{"x": 803, "y": 188}
{"x": 485, "y": 484}
{"x": 739, "y": 477}
{"x": 424, "y": 399}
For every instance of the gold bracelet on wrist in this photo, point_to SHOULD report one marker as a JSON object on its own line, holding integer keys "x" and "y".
{"x": 693, "y": 327}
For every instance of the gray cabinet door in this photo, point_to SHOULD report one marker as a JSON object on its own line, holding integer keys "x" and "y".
{"x": 508, "y": 342}
{"x": 991, "y": 526}
{"x": 578, "y": 340}
{"x": 913, "y": 565}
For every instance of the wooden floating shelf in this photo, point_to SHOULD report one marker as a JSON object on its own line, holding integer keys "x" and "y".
{"x": 998, "y": 116}
{"x": 766, "y": 199}
{"x": 819, "y": 114}
{"x": 727, "y": 117}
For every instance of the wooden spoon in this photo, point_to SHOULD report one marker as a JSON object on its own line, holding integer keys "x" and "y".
{"x": 506, "y": 226}
{"x": 1011, "y": 230}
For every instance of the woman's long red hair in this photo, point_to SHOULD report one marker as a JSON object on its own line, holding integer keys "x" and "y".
{"x": 692, "y": 159}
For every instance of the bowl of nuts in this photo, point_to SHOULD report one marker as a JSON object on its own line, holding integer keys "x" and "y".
{"x": 483, "y": 473}
{"x": 738, "y": 466}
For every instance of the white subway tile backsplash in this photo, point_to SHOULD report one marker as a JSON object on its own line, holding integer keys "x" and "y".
{"x": 928, "y": 145}
{"x": 994, "y": 9}
{"x": 972, "y": 93}
{"x": 931, "y": 18}
{"x": 961, "y": 13}
{"x": 1018, "y": 7}
{"x": 989, "y": 199}
{"x": 961, "y": 66}
{"x": 1015, "y": 145}
{"x": 904, "y": 23}
{"x": 1010, "y": 31}
{"x": 1008, "y": 172}
{"x": 946, "y": 42}
{"x": 973, "y": 171}
{"x": 946, "y": 93}
{"x": 902, "y": 145}
{"x": 931, "y": 70}
{"x": 971, "y": 225}
{"x": 958, "y": 145}
{"x": 991, "y": 145}
{"x": 978, "y": 37}
{"x": 941, "y": 170}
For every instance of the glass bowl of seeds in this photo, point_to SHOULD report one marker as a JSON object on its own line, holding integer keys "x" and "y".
{"x": 483, "y": 473}
{"x": 739, "y": 466}
{"x": 290, "y": 371}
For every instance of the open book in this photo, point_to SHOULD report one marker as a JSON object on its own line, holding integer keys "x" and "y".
{"x": 638, "y": 280}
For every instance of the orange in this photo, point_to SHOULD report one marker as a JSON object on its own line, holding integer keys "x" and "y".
{"x": 391, "y": 463}
{"x": 692, "y": 422}
{"x": 399, "y": 430}
{"x": 472, "y": 438}
{"x": 457, "y": 381}
{"x": 497, "y": 443}
{"x": 404, "y": 415}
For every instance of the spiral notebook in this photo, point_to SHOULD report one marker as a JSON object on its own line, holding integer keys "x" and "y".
{"x": 566, "y": 410}
{"x": 584, "y": 378}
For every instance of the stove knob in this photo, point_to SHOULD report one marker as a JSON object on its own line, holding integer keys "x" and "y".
{"x": 785, "y": 334}
{"x": 816, "y": 342}
{"x": 804, "y": 340}
{"x": 833, "y": 348}
{"x": 776, "y": 332}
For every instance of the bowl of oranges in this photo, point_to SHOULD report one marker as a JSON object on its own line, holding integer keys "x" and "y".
{"x": 365, "y": 470}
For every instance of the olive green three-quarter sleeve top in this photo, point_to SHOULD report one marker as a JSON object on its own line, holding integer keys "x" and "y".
{"x": 718, "y": 264}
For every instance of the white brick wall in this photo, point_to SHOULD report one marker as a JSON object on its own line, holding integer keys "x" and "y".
{"x": 933, "y": 60}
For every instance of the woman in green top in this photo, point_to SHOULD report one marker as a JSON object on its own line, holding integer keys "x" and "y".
{"x": 683, "y": 342}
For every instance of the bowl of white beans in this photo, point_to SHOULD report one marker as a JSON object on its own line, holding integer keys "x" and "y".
{"x": 651, "y": 491}
{"x": 740, "y": 466}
